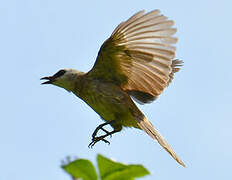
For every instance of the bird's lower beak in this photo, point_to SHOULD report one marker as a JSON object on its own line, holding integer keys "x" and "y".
{"x": 50, "y": 80}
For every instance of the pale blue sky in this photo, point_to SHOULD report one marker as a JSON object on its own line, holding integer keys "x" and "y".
{"x": 40, "y": 125}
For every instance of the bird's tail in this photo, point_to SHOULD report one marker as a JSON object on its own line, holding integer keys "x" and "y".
{"x": 146, "y": 125}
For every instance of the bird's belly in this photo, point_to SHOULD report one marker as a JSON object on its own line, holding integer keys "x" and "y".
{"x": 117, "y": 112}
{"x": 107, "y": 108}
{"x": 110, "y": 102}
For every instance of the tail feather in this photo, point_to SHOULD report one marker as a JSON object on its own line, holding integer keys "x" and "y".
{"x": 146, "y": 125}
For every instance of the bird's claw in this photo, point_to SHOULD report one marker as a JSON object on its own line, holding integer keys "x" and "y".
{"x": 107, "y": 132}
{"x": 97, "y": 139}
{"x": 101, "y": 138}
{"x": 96, "y": 131}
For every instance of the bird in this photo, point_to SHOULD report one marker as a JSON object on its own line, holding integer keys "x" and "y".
{"x": 135, "y": 64}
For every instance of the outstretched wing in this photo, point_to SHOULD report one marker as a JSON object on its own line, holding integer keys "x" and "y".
{"x": 139, "y": 55}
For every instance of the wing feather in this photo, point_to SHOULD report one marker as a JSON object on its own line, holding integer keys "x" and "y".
{"x": 139, "y": 55}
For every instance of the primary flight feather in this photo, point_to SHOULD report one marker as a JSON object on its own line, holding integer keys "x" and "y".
{"x": 136, "y": 61}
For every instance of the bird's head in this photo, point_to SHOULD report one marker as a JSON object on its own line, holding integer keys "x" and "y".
{"x": 65, "y": 78}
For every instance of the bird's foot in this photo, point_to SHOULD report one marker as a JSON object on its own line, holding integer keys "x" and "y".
{"x": 100, "y": 127}
{"x": 97, "y": 139}
{"x": 107, "y": 132}
{"x": 96, "y": 131}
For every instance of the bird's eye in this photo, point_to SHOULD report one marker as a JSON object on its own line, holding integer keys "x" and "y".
{"x": 59, "y": 73}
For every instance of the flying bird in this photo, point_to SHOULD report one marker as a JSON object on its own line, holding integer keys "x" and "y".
{"x": 137, "y": 61}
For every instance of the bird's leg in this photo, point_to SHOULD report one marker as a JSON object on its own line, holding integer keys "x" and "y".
{"x": 101, "y": 127}
{"x": 101, "y": 138}
{"x": 105, "y": 131}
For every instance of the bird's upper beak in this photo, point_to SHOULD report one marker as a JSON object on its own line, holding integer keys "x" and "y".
{"x": 49, "y": 78}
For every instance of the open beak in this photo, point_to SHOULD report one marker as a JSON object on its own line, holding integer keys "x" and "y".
{"x": 49, "y": 78}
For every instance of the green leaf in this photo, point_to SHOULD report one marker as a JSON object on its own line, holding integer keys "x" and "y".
{"x": 81, "y": 168}
{"x": 111, "y": 170}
